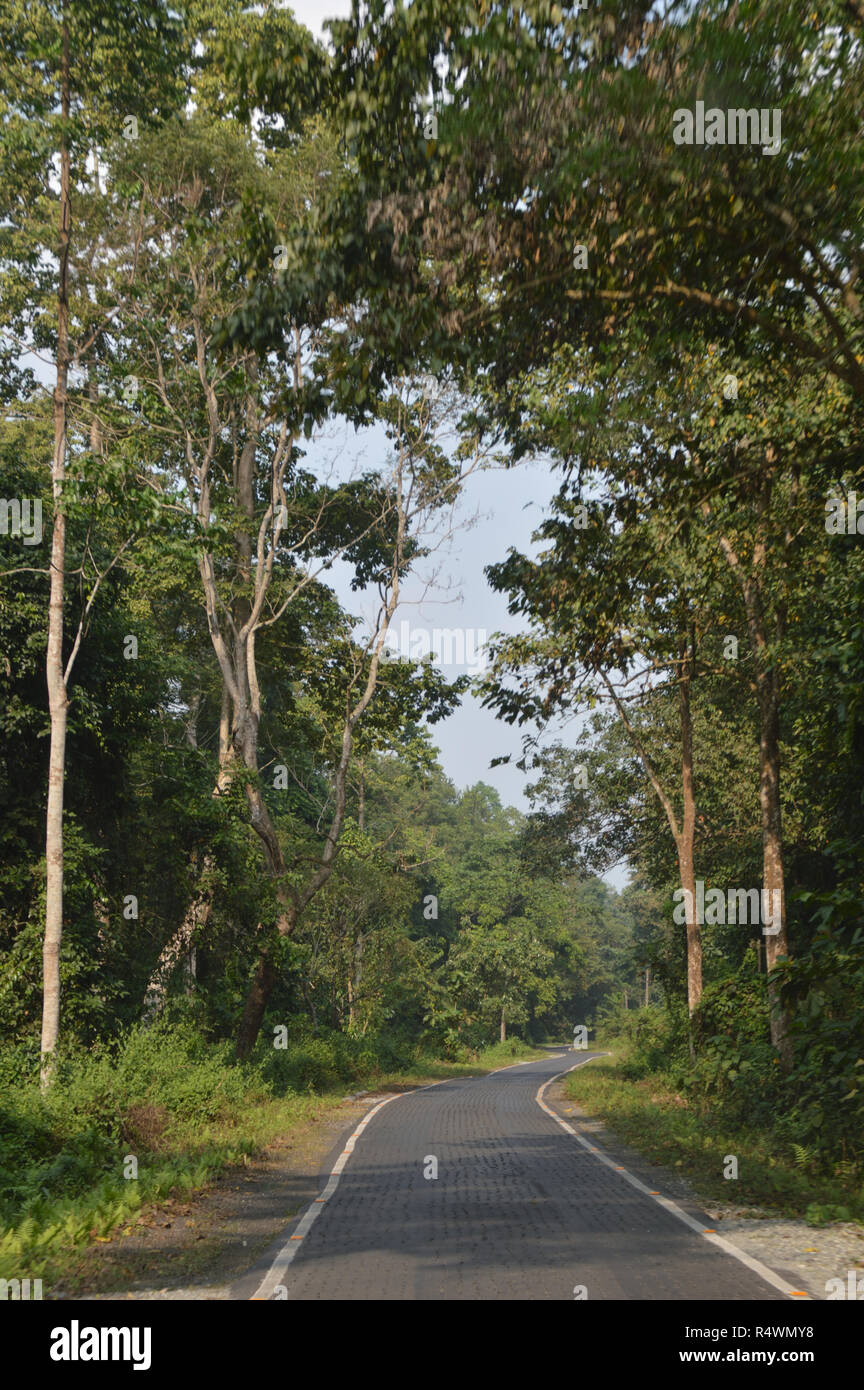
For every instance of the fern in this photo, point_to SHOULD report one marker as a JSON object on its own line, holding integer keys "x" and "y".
{"x": 803, "y": 1156}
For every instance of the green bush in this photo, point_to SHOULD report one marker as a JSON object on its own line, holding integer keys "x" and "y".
{"x": 105, "y": 1098}
{"x": 734, "y": 1071}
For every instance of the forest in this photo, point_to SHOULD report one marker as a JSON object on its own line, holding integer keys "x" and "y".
{"x": 233, "y": 868}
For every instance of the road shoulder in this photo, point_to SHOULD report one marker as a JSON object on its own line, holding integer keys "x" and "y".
{"x": 805, "y": 1256}
{"x": 200, "y": 1246}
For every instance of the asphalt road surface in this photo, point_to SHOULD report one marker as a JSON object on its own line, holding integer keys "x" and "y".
{"x": 518, "y": 1210}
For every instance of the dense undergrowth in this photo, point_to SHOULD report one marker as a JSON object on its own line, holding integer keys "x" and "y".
{"x": 162, "y": 1110}
{"x": 796, "y": 1135}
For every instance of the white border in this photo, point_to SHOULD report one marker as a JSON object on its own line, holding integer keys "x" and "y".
{"x": 756, "y": 1265}
{"x": 283, "y": 1260}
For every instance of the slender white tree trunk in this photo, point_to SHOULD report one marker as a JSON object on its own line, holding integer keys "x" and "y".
{"x": 57, "y": 696}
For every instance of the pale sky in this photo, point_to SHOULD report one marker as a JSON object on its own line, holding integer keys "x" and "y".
{"x": 499, "y": 508}
{"x": 312, "y": 13}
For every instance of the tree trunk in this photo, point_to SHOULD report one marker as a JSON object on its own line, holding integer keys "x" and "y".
{"x": 198, "y": 912}
{"x": 263, "y": 981}
{"x": 503, "y": 1031}
{"x": 57, "y": 695}
{"x": 264, "y": 978}
{"x": 647, "y": 985}
{"x": 295, "y": 903}
{"x": 772, "y": 857}
{"x": 310, "y": 1005}
{"x": 684, "y": 834}
{"x": 687, "y": 839}
{"x": 172, "y": 953}
{"x": 687, "y": 876}
{"x": 265, "y": 975}
{"x": 768, "y": 692}
{"x": 355, "y": 983}
{"x": 245, "y": 724}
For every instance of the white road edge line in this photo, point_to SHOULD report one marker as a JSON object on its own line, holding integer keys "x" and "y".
{"x": 756, "y": 1265}
{"x": 283, "y": 1260}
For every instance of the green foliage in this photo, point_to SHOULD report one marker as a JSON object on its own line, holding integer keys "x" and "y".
{"x": 813, "y": 1112}
{"x": 685, "y": 516}
{"x": 649, "y": 1111}
{"x": 176, "y": 1101}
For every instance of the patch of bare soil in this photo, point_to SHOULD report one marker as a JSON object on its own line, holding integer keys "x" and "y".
{"x": 807, "y": 1256}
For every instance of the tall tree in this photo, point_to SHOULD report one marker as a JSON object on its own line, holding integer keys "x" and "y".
{"x": 75, "y": 73}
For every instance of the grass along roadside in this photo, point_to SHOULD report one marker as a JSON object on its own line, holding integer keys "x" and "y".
{"x": 78, "y": 1188}
{"x": 668, "y": 1128}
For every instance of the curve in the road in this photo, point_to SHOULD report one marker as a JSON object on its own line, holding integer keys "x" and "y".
{"x": 517, "y": 1211}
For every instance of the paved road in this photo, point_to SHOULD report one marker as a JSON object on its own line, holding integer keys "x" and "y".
{"x": 519, "y": 1210}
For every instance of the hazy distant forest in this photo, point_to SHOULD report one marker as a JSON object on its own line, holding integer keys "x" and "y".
{"x": 230, "y": 860}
